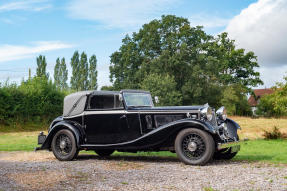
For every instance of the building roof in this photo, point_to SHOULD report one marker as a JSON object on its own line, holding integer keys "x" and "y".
{"x": 253, "y": 101}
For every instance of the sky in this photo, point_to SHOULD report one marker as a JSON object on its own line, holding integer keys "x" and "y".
{"x": 53, "y": 28}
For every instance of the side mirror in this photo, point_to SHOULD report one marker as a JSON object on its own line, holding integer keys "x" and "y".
{"x": 120, "y": 97}
{"x": 156, "y": 99}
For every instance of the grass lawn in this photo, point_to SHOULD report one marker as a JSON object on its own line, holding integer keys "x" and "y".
{"x": 21, "y": 141}
{"x": 274, "y": 151}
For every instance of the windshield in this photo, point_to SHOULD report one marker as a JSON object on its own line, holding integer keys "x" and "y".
{"x": 138, "y": 99}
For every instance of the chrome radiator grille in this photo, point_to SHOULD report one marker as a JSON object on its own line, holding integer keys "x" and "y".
{"x": 213, "y": 121}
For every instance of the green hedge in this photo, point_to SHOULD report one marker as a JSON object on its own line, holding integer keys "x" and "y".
{"x": 33, "y": 100}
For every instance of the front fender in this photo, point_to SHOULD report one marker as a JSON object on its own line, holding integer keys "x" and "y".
{"x": 232, "y": 128}
{"x": 191, "y": 123}
{"x": 74, "y": 128}
{"x": 236, "y": 125}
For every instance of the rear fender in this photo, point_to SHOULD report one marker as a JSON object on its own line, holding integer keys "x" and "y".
{"x": 73, "y": 127}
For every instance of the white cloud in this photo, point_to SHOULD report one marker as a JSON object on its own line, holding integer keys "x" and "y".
{"x": 271, "y": 76}
{"x": 16, "y": 52}
{"x": 208, "y": 21}
{"x": 119, "y": 13}
{"x": 262, "y": 28}
{"x": 27, "y": 5}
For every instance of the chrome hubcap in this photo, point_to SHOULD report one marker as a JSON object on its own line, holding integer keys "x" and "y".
{"x": 192, "y": 146}
{"x": 63, "y": 144}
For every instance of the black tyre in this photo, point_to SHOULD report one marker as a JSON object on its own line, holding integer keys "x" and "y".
{"x": 104, "y": 153}
{"x": 194, "y": 146}
{"x": 225, "y": 154}
{"x": 64, "y": 145}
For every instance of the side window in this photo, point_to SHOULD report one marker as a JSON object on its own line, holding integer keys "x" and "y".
{"x": 102, "y": 102}
{"x": 105, "y": 102}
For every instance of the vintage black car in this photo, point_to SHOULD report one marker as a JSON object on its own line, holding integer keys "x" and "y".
{"x": 128, "y": 121}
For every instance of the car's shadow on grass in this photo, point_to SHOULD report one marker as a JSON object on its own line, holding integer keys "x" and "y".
{"x": 129, "y": 158}
{"x": 149, "y": 159}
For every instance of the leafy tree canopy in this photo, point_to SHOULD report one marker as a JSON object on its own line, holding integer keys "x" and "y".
{"x": 274, "y": 104}
{"x": 41, "y": 67}
{"x": 61, "y": 74}
{"x": 200, "y": 64}
{"x": 93, "y": 73}
{"x": 164, "y": 87}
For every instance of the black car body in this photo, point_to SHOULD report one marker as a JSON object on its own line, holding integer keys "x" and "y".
{"x": 128, "y": 121}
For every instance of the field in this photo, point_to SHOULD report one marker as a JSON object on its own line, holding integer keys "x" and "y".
{"x": 256, "y": 149}
{"x": 254, "y": 128}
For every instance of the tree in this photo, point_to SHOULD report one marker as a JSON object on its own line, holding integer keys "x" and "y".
{"x": 57, "y": 73}
{"x": 200, "y": 64}
{"x": 83, "y": 72}
{"x": 235, "y": 100}
{"x": 41, "y": 67}
{"x": 164, "y": 87}
{"x": 274, "y": 104}
{"x": 233, "y": 66}
{"x": 75, "y": 64}
{"x": 61, "y": 74}
{"x": 93, "y": 74}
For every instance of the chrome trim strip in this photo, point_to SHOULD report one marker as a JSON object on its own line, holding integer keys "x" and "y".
{"x": 99, "y": 112}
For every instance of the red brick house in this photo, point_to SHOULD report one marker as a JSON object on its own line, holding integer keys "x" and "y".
{"x": 254, "y": 100}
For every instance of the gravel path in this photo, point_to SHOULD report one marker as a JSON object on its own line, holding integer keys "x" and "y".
{"x": 40, "y": 171}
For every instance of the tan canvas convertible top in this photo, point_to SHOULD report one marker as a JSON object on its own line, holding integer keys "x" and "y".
{"x": 74, "y": 104}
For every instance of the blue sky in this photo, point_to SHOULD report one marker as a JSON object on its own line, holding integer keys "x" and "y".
{"x": 53, "y": 28}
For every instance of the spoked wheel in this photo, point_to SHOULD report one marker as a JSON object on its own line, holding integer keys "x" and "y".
{"x": 194, "y": 146}
{"x": 104, "y": 153}
{"x": 64, "y": 145}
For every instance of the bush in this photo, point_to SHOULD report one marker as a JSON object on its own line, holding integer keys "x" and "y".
{"x": 274, "y": 134}
{"x": 36, "y": 99}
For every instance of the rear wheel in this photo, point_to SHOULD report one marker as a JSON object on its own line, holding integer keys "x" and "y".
{"x": 64, "y": 145}
{"x": 104, "y": 153}
{"x": 194, "y": 146}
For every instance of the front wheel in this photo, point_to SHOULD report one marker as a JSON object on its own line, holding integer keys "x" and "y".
{"x": 64, "y": 145}
{"x": 194, "y": 146}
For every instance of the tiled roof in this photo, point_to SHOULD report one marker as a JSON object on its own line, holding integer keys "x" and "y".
{"x": 258, "y": 93}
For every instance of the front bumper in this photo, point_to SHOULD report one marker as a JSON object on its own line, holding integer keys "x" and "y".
{"x": 41, "y": 140}
{"x": 235, "y": 146}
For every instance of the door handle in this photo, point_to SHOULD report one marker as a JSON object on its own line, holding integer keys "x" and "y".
{"x": 123, "y": 116}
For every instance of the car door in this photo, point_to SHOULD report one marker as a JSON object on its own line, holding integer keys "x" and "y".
{"x": 105, "y": 123}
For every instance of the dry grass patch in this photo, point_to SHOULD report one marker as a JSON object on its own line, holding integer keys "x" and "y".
{"x": 25, "y": 133}
{"x": 19, "y": 156}
{"x": 254, "y": 128}
{"x": 123, "y": 165}
{"x": 39, "y": 180}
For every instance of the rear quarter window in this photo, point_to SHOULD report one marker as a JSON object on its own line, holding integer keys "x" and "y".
{"x": 98, "y": 102}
